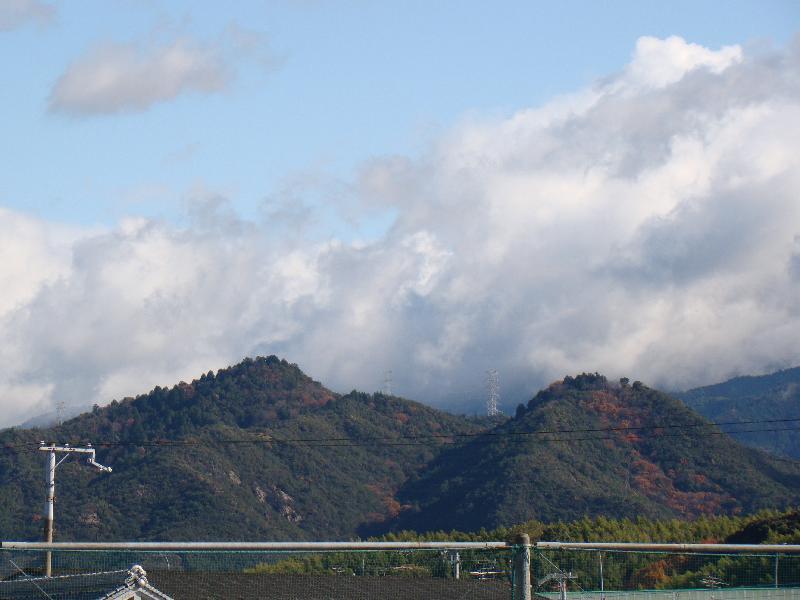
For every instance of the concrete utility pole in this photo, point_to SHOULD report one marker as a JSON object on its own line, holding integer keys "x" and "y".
{"x": 50, "y": 479}
{"x": 455, "y": 558}
{"x": 522, "y": 567}
{"x": 602, "y": 583}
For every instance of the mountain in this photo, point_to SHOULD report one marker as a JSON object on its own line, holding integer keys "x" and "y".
{"x": 660, "y": 460}
{"x": 260, "y": 451}
{"x": 774, "y": 396}
{"x": 231, "y": 477}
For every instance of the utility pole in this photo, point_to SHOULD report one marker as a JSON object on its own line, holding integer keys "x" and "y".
{"x": 455, "y": 558}
{"x": 561, "y": 578}
{"x": 602, "y": 583}
{"x": 522, "y": 568}
{"x": 50, "y": 479}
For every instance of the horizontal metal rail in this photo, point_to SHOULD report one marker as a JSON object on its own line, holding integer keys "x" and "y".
{"x": 676, "y": 548}
{"x": 447, "y": 545}
{"x": 252, "y": 546}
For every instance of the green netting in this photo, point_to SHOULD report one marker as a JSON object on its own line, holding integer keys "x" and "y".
{"x": 397, "y": 574}
{"x": 594, "y": 575}
{"x": 417, "y": 574}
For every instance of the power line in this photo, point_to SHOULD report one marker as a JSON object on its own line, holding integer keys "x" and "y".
{"x": 422, "y": 439}
{"x": 490, "y": 433}
{"x": 349, "y": 443}
{"x": 538, "y": 432}
{"x": 268, "y": 438}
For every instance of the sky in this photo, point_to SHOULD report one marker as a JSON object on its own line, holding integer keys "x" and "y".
{"x": 431, "y": 189}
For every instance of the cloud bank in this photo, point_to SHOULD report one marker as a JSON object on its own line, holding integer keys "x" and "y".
{"x": 646, "y": 226}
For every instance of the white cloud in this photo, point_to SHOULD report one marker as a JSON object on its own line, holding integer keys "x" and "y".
{"x": 648, "y": 231}
{"x": 122, "y": 78}
{"x": 16, "y": 13}
{"x": 658, "y": 63}
{"x": 129, "y": 77}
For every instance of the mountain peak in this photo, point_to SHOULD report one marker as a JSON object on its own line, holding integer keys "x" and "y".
{"x": 587, "y": 446}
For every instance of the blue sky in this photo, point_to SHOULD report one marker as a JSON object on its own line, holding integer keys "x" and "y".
{"x": 343, "y": 82}
{"x": 431, "y": 188}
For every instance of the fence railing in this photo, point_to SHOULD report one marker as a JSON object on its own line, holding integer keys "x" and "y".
{"x": 637, "y": 571}
{"x": 281, "y": 570}
{"x": 401, "y": 570}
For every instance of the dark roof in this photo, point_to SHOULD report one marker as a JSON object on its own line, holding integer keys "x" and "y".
{"x": 83, "y": 586}
{"x": 67, "y": 587}
{"x": 241, "y": 586}
{"x": 206, "y": 585}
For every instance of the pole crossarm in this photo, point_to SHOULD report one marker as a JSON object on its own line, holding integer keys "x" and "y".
{"x": 90, "y": 452}
{"x": 66, "y": 449}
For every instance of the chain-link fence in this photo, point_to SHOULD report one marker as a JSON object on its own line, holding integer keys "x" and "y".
{"x": 399, "y": 570}
{"x": 591, "y": 574}
{"x": 324, "y": 575}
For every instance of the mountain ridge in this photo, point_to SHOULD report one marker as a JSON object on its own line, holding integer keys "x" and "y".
{"x": 773, "y": 396}
{"x": 599, "y": 460}
{"x": 257, "y": 487}
{"x": 269, "y": 453}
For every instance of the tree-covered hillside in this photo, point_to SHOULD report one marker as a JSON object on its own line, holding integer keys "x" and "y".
{"x": 232, "y": 474}
{"x": 614, "y": 450}
{"x": 775, "y": 396}
{"x": 709, "y": 529}
{"x": 260, "y": 451}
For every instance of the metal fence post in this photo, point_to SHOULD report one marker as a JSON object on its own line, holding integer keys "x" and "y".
{"x": 522, "y": 567}
{"x": 776, "y": 570}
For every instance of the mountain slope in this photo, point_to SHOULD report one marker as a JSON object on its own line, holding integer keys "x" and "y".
{"x": 231, "y": 478}
{"x": 260, "y": 451}
{"x": 774, "y": 396}
{"x": 507, "y": 477}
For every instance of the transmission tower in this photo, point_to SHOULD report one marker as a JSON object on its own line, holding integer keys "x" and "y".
{"x": 60, "y": 412}
{"x": 387, "y": 383}
{"x": 493, "y": 392}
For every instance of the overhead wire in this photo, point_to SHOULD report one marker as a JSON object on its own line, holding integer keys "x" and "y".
{"x": 444, "y": 438}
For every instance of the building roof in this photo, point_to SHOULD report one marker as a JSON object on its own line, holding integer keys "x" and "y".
{"x": 135, "y": 584}
{"x": 126, "y": 584}
{"x": 204, "y": 585}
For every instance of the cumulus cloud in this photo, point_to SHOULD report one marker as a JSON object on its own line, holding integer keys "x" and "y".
{"x": 657, "y": 63}
{"x": 16, "y": 13}
{"x": 129, "y": 77}
{"x": 646, "y": 227}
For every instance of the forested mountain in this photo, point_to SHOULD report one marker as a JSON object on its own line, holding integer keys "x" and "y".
{"x": 614, "y": 450}
{"x": 261, "y": 451}
{"x": 775, "y": 396}
{"x": 231, "y": 477}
